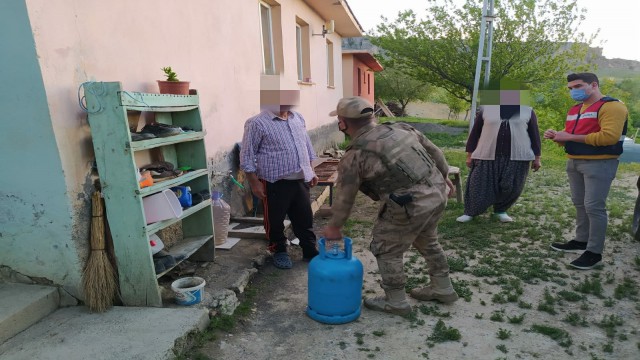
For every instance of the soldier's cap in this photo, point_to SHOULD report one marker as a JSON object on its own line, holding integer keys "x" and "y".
{"x": 353, "y": 108}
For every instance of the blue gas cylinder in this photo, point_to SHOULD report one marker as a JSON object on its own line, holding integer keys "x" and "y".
{"x": 335, "y": 284}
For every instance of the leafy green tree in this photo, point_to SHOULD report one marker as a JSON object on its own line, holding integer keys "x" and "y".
{"x": 456, "y": 106}
{"x": 395, "y": 85}
{"x": 632, "y": 88}
{"x": 534, "y": 41}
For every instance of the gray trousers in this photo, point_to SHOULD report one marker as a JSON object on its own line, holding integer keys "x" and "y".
{"x": 590, "y": 181}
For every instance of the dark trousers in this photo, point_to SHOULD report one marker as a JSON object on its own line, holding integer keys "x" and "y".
{"x": 289, "y": 198}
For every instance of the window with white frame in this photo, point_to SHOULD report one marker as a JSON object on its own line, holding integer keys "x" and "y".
{"x": 303, "y": 52}
{"x": 299, "y": 52}
{"x": 330, "y": 67}
{"x": 266, "y": 31}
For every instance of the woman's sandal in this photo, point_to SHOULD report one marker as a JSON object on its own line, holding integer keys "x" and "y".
{"x": 282, "y": 260}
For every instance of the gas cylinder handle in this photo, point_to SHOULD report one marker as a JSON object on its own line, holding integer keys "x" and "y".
{"x": 321, "y": 248}
{"x": 347, "y": 247}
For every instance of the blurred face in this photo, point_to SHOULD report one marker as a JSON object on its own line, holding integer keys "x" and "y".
{"x": 504, "y": 97}
{"x": 279, "y": 100}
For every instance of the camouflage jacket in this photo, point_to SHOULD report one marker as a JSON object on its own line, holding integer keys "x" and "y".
{"x": 357, "y": 167}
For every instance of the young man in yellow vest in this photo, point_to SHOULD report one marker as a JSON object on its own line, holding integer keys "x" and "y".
{"x": 593, "y": 136}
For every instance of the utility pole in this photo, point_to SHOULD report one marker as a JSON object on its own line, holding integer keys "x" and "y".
{"x": 484, "y": 55}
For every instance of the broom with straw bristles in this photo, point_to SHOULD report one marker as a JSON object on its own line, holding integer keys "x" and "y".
{"x": 99, "y": 277}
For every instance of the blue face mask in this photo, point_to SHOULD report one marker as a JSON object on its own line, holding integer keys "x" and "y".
{"x": 579, "y": 94}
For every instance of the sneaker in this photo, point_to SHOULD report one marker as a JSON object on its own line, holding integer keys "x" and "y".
{"x": 464, "y": 218}
{"x": 586, "y": 261}
{"x": 572, "y": 246}
{"x": 503, "y": 217}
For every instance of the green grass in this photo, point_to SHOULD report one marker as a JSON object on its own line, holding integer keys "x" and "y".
{"x": 503, "y": 334}
{"x": 570, "y": 296}
{"x": 609, "y": 323}
{"x": 576, "y": 319}
{"x": 413, "y": 119}
{"x": 442, "y": 333}
{"x": 628, "y": 289}
{"x": 560, "y": 336}
{"x": 516, "y": 319}
{"x": 433, "y": 310}
{"x": 590, "y": 286}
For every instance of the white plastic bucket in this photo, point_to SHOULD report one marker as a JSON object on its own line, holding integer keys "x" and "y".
{"x": 161, "y": 206}
{"x": 188, "y": 290}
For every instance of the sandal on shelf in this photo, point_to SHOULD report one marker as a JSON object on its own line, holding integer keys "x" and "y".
{"x": 282, "y": 260}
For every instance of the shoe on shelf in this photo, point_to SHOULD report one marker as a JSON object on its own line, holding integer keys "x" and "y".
{"x": 162, "y": 263}
{"x": 197, "y": 198}
{"x": 161, "y": 130}
{"x": 503, "y": 217}
{"x": 588, "y": 260}
{"x": 162, "y": 170}
{"x": 141, "y": 136}
{"x": 464, "y": 218}
{"x": 572, "y": 246}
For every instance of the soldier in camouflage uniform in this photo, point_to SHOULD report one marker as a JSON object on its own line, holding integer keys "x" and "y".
{"x": 407, "y": 173}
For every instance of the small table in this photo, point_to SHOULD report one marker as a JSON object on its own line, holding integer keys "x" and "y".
{"x": 454, "y": 175}
{"x": 326, "y": 170}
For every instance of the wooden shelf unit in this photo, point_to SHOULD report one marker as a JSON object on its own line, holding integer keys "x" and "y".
{"x": 108, "y": 107}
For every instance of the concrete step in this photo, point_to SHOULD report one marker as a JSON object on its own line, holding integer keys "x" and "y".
{"x": 23, "y": 305}
{"x": 73, "y": 333}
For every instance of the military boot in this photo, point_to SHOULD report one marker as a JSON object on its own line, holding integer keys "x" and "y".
{"x": 439, "y": 289}
{"x": 394, "y": 302}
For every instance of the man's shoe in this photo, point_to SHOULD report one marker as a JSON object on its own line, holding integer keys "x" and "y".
{"x": 586, "y": 261}
{"x": 572, "y": 246}
{"x": 464, "y": 218}
{"x": 503, "y": 217}
{"x": 388, "y": 304}
{"x": 281, "y": 260}
{"x": 440, "y": 289}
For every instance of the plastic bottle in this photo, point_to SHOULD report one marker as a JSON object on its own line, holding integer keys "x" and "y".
{"x": 221, "y": 216}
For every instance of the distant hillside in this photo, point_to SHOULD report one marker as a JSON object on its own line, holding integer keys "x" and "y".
{"x": 617, "y": 68}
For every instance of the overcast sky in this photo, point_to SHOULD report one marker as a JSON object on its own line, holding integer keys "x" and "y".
{"x": 618, "y": 20}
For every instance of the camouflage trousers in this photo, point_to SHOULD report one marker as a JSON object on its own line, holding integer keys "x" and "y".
{"x": 397, "y": 228}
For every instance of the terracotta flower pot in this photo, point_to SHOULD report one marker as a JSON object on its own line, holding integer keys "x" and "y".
{"x": 174, "y": 87}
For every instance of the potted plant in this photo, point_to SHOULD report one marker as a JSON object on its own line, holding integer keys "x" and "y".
{"x": 172, "y": 85}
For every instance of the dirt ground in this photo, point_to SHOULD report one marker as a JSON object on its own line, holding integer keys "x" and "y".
{"x": 491, "y": 326}
{"x": 279, "y": 328}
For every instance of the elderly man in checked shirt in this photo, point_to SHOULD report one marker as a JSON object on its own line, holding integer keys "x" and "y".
{"x": 276, "y": 155}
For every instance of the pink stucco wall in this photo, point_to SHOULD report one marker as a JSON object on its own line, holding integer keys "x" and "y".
{"x": 213, "y": 44}
{"x": 362, "y": 85}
